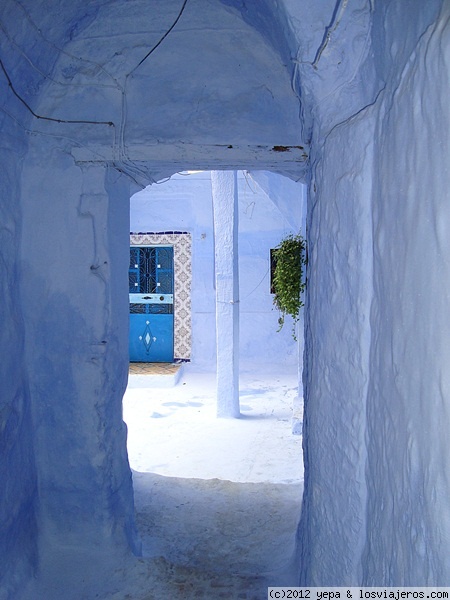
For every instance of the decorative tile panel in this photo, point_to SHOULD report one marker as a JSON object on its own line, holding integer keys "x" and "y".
{"x": 182, "y": 250}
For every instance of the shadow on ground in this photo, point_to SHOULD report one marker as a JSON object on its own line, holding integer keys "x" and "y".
{"x": 225, "y": 528}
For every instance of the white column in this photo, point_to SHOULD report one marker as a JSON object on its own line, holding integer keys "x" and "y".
{"x": 225, "y": 206}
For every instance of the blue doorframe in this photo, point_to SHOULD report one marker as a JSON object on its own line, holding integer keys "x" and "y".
{"x": 150, "y": 279}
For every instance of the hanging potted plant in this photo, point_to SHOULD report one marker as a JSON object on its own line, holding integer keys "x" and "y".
{"x": 288, "y": 281}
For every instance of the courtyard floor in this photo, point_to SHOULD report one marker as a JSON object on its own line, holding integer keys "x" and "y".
{"x": 217, "y": 500}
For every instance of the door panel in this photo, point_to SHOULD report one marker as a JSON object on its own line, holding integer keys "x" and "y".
{"x": 151, "y": 303}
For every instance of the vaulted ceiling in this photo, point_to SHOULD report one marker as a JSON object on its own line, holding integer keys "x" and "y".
{"x": 199, "y": 82}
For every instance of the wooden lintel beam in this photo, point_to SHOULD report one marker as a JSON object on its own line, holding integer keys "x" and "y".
{"x": 213, "y": 154}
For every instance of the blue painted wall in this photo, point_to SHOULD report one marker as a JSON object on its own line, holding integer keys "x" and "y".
{"x": 184, "y": 203}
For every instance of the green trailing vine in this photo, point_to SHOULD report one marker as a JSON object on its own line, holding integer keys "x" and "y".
{"x": 288, "y": 278}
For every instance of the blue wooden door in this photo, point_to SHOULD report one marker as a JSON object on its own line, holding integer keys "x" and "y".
{"x": 151, "y": 303}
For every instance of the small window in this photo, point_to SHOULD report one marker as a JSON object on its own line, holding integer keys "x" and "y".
{"x": 273, "y": 264}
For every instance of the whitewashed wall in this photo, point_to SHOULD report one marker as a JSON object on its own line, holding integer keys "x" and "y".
{"x": 184, "y": 203}
{"x": 377, "y": 413}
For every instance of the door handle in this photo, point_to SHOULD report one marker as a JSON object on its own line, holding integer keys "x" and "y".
{"x": 146, "y": 297}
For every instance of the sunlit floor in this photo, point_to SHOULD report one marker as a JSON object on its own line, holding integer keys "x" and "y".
{"x": 217, "y": 500}
{"x": 174, "y": 431}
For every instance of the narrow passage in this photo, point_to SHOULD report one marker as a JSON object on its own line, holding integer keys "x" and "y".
{"x": 217, "y": 500}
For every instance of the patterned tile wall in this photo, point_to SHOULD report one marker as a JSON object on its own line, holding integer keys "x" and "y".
{"x": 182, "y": 249}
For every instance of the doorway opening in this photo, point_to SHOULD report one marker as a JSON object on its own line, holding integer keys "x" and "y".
{"x": 194, "y": 473}
{"x": 165, "y": 277}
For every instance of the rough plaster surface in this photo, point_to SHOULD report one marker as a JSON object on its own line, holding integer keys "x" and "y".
{"x": 76, "y": 330}
{"x": 408, "y": 401}
{"x": 337, "y": 362}
{"x": 18, "y": 499}
{"x": 376, "y": 403}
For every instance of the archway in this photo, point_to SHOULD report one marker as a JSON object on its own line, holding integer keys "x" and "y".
{"x": 174, "y": 438}
{"x": 76, "y": 219}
